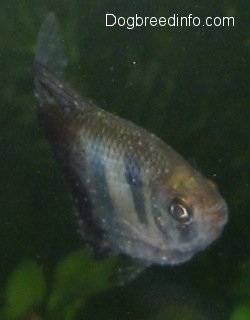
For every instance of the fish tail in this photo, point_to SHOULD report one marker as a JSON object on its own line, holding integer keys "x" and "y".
{"x": 50, "y": 50}
{"x": 51, "y": 91}
{"x": 49, "y": 65}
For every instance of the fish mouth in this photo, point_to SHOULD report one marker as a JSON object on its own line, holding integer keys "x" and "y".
{"x": 219, "y": 214}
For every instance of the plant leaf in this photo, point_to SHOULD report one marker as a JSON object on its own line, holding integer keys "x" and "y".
{"x": 26, "y": 289}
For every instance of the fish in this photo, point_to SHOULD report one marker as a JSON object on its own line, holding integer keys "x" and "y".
{"x": 133, "y": 194}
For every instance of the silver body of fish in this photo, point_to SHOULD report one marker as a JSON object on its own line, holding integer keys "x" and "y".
{"x": 133, "y": 193}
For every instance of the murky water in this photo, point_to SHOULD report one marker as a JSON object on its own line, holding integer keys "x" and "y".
{"x": 188, "y": 85}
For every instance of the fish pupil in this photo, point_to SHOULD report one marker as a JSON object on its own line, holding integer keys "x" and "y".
{"x": 180, "y": 211}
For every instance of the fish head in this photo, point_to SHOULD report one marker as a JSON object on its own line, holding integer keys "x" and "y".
{"x": 190, "y": 213}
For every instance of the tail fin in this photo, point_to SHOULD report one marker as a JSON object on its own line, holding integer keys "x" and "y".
{"x": 51, "y": 92}
{"x": 49, "y": 65}
{"x": 50, "y": 51}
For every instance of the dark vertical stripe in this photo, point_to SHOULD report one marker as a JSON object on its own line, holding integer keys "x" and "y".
{"x": 101, "y": 197}
{"x": 89, "y": 195}
{"x": 92, "y": 234}
{"x": 134, "y": 179}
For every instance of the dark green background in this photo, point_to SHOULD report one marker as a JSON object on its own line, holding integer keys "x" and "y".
{"x": 190, "y": 86}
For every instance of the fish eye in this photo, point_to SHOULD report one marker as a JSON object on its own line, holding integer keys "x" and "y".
{"x": 180, "y": 211}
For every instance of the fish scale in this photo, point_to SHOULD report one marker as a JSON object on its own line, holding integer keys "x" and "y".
{"x": 133, "y": 193}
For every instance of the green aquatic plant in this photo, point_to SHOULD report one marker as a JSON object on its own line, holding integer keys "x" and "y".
{"x": 188, "y": 85}
{"x": 25, "y": 291}
{"x": 241, "y": 292}
{"x": 76, "y": 278}
{"x": 241, "y": 312}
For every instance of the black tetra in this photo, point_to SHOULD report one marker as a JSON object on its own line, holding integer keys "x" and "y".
{"x": 134, "y": 194}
